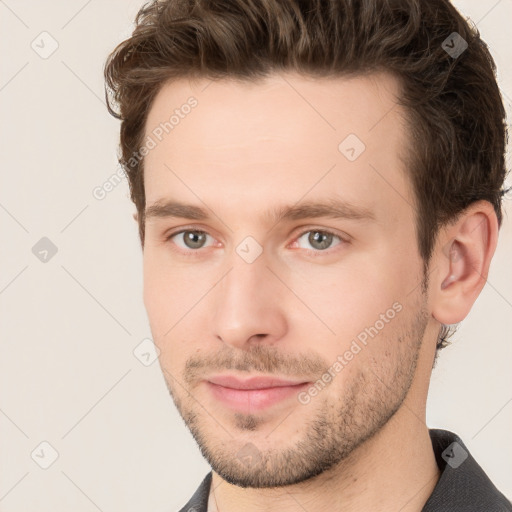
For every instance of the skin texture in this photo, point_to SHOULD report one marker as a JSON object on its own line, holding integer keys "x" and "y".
{"x": 361, "y": 443}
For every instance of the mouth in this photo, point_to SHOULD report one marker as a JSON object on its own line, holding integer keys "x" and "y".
{"x": 254, "y": 393}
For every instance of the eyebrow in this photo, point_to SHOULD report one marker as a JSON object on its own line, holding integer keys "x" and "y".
{"x": 331, "y": 208}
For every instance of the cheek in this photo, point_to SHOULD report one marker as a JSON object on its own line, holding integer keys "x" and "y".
{"x": 167, "y": 286}
{"x": 165, "y": 296}
{"x": 357, "y": 309}
{"x": 352, "y": 295}
{"x": 172, "y": 298}
{"x": 153, "y": 288}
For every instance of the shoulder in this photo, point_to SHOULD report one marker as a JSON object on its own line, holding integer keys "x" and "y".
{"x": 463, "y": 485}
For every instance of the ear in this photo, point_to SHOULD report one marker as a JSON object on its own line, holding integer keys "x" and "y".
{"x": 461, "y": 261}
{"x": 136, "y": 217}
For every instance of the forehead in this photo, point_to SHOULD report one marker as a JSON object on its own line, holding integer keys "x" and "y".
{"x": 231, "y": 112}
{"x": 278, "y": 136}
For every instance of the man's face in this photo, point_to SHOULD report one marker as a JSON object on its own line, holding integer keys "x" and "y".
{"x": 331, "y": 305}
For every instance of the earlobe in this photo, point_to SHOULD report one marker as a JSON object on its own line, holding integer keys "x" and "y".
{"x": 136, "y": 217}
{"x": 462, "y": 260}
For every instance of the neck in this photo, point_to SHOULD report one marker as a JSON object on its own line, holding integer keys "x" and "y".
{"x": 394, "y": 470}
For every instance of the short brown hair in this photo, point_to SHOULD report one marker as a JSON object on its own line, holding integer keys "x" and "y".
{"x": 455, "y": 111}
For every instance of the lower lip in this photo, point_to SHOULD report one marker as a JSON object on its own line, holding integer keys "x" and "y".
{"x": 250, "y": 400}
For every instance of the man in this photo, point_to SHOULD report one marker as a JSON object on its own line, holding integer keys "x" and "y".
{"x": 318, "y": 190}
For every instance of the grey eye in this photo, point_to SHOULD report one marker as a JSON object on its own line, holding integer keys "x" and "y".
{"x": 190, "y": 239}
{"x": 319, "y": 240}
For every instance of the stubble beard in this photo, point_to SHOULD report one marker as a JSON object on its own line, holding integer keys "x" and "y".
{"x": 337, "y": 426}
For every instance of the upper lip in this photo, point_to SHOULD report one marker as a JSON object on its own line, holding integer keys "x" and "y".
{"x": 230, "y": 381}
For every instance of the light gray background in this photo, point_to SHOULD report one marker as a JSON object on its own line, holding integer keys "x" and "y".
{"x": 70, "y": 325}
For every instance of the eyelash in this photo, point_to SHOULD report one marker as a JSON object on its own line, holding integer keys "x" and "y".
{"x": 194, "y": 253}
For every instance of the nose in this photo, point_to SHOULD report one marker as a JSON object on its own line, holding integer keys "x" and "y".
{"x": 249, "y": 305}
